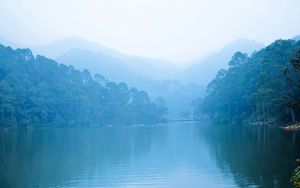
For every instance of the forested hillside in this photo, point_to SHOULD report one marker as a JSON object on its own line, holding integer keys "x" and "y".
{"x": 40, "y": 92}
{"x": 264, "y": 87}
{"x": 151, "y": 75}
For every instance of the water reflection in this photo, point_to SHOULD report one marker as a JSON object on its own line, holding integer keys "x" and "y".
{"x": 259, "y": 156}
{"x": 33, "y": 158}
{"x": 173, "y": 155}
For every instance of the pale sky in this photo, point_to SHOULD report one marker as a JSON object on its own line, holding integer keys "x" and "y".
{"x": 178, "y": 30}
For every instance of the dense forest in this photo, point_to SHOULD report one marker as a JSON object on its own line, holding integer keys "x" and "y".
{"x": 261, "y": 88}
{"x": 37, "y": 91}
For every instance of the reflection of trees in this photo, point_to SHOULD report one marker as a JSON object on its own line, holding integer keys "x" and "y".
{"x": 104, "y": 156}
{"x": 50, "y": 157}
{"x": 254, "y": 155}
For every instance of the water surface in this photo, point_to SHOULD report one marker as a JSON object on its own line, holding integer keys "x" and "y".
{"x": 190, "y": 155}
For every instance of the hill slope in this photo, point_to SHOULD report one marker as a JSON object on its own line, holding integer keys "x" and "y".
{"x": 202, "y": 71}
{"x": 157, "y": 69}
{"x": 264, "y": 87}
{"x": 40, "y": 92}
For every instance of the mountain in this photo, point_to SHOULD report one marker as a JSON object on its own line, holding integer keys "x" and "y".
{"x": 296, "y": 38}
{"x": 177, "y": 95}
{"x": 112, "y": 67}
{"x": 108, "y": 65}
{"x": 6, "y": 42}
{"x": 59, "y": 47}
{"x": 203, "y": 70}
{"x": 155, "y": 76}
{"x": 37, "y": 91}
{"x": 261, "y": 88}
{"x": 151, "y": 75}
{"x": 83, "y": 54}
{"x": 157, "y": 69}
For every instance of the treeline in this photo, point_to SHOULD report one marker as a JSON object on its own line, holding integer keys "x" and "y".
{"x": 40, "y": 92}
{"x": 264, "y": 87}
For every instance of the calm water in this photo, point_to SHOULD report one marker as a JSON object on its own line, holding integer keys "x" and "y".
{"x": 188, "y": 155}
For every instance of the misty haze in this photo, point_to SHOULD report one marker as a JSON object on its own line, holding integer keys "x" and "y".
{"x": 149, "y": 94}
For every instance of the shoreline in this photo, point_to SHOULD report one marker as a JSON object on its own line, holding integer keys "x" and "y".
{"x": 291, "y": 127}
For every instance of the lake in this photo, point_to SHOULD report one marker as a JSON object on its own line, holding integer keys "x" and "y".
{"x": 173, "y": 155}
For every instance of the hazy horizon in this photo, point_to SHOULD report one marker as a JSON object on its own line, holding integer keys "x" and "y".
{"x": 179, "y": 31}
{"x": 149, "y": 93}
{"x": 184, "y": 63}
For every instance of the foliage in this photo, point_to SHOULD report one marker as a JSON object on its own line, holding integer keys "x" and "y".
{"x": 256, "y": 87}
{"x": 295, "y": 180}
{"x": 40, "y": 92}
{"x": 292, "y": 74}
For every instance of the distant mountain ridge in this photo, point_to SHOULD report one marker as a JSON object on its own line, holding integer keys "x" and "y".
{"x": 37, "y": 91}
{"x": 296, "y": 38}
{"x": 112, "y": 67}
{"x": 177, "y": 95}
{"x": 203, "y": 70}
{"x": 59, "y": 47}
{"x": 4, "y": 41}
{"x": 158, "y": 69}
{"x": 156, "y": 76}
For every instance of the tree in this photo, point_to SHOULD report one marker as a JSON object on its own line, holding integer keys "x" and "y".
{"x": 7, "y": 109}
{"x": 295, "y": 180}
{"x": 40, "y": 92}
{"x": 292, "y": 74}
{"x": 263, "y": 88}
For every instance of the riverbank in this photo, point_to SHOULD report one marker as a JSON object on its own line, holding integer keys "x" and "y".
{"x": 291, "y": 127}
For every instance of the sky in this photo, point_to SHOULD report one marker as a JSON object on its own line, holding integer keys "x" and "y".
{"x": 178, "y": 30}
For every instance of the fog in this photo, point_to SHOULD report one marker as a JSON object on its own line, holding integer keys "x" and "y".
{"x": 170, "y": 49}
{"x": 149, "y": 93}
{"x": 178, "y": 30}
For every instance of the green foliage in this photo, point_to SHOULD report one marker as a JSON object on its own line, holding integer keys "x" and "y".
{"x": 40, "y": 92}
{"x": 292, "y": 74}
{"x": 256, "y": 87}
{"x": 295, "y": 180}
